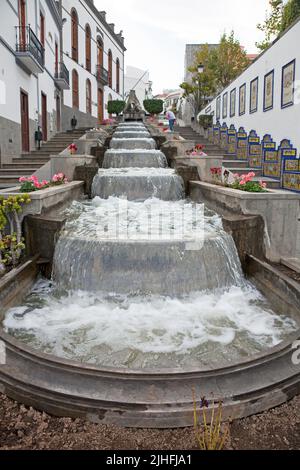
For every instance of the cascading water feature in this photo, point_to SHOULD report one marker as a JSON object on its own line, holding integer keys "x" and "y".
{"x": 144, "y": 279}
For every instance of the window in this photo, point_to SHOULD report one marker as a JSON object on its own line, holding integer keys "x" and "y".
{"x": 42, "y": 29}
{"x": 110, "y": 67}
{"x": 56, "y": 58}
{"x": 22, "y": 23}
{"x": 88, "y": 97}
{"x": 88, "y": 47}
{"x": 118, "y": 76}
{"x": 74, "y": 35}
{"x": 100, "y": 52}
{"x": 75, "y": 89}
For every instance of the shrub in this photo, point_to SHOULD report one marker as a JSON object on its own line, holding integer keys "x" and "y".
{"x": 206, "y": 121}
{"x": 154, "y": 106}
{"x": 11, "y": 240}
{"x": 116, "y": 107}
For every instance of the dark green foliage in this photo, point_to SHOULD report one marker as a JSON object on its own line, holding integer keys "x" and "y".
{"x": 206, "y": 121}
{"x": 154, "y": 106}
{"x": 115, "y": 107}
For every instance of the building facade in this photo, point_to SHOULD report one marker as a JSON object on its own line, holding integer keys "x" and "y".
{"x": 58, "y": 59}
{"x": 94, "y": 55}
{"x": 265, "y": 97}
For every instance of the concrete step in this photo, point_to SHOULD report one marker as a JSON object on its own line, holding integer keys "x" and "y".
{"x": 244, "y": 170}
{"x": 6, "y": 185}
{"x": 10, "y": 179}
{"x": 235, "y": 163}
{"x": 22, "y": 164}
{"x": 21, "y": 171}
{"x": 34, "y": 162}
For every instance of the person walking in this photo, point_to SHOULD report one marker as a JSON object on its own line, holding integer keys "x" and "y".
{"x": 171, "y": 118}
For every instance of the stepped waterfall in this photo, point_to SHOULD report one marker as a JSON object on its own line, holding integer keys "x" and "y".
{"x": 143, "y": 278}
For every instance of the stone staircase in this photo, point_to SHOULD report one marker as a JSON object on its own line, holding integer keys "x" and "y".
{"x": 235, "y": 166}
{"x": 29, "y": 163}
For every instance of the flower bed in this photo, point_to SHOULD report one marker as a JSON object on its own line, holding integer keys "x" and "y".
{"x": 11, "y": 240}
{"x": 197, "y": 151}
{"x": 242, "y": 182}
{"x": 31, "y": 184}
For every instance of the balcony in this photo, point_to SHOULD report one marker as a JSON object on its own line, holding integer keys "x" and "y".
{"x": 62, "y": 77}
{"x": 30, "y": 53}
{"x": 102, "y": 75}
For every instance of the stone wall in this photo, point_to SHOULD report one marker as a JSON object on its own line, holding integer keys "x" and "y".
{"x": 83, "y": 119}
{"x": 278, "y": 209}
{"x": 10, "y": 139}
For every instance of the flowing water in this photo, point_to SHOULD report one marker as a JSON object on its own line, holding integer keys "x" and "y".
{"x": 143, "y": 278}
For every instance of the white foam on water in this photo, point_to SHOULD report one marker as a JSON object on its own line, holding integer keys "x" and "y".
{"x": 137, "y": 151}
{"x": 150, "y": 332}
{"x": 136, "y": 172}
{"x": 133, "y": 139}
{"x": 153, "y": 219}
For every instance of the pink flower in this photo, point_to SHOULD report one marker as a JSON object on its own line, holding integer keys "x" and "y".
{"x": 262, "y": 184}
{"x": 242, "y": 182}
{"x": 22, "y": 179}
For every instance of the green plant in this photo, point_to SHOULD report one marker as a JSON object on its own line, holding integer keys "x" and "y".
{"x": 209, "y": 436}
{"x": 206, "y": 121}
{"x": 282, "y": 15}
{"x": 11, "y": 240}
{"x": 246, "y": 183}
{"x": 116, "y": 107}
{"x": 154, "y": 106}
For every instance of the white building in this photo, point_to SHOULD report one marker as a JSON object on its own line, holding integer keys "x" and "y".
{"x": 173, "y": 100}
{"x": 138, "y": 80}
{"x": 58, "y": 59}
{"x": 94, "y": 55}
{"x": 265, "y": 97}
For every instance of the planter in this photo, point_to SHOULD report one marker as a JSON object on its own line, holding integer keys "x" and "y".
{"x": 205, "y": 164}
{"x": 278, "y": 209}
{"x": 16, "y": 284}
{"x": 46, "y": 199}
{"x": 66, "y": 163}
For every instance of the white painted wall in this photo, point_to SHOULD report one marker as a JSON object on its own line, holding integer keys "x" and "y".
{"x": 132, "y": 76}
{"x": 13, "y": 77}
{"x": 86, "y": 16}
{"x": 280, "y": 123}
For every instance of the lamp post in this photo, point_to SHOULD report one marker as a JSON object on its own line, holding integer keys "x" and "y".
{"x": 200, "y": 70}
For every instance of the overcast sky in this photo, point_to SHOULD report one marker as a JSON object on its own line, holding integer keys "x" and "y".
{"x": 156, "y": 31}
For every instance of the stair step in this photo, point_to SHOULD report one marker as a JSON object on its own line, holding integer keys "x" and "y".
{"x": 12, "y": 171}
{"x": 20, "y": 165}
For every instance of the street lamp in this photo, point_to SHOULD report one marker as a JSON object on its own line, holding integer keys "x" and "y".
{"x": 200, "y": 68}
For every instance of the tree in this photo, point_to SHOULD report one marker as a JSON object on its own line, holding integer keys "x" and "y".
{"x": 291, "y": 12}
{"x": 154, "y": 106}
{"x": 202, "y": 85}
{"x": 221, "y": 65}
{"x": 279, "y": 19}
{"x": 115, "y": 107}
{"x": 228, "y": 61}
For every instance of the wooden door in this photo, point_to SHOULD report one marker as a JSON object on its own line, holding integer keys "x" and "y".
{"x": 100, "y": 105}
{"x": 24, "y": 122}
{"x": 58, "y": 120}
{"x": 44, "y": 117}
{"x": 22, "y": 23}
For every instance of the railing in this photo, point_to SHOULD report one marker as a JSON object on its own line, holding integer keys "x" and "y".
{"x": 62, "y": 73}
{"x": 27, "y": 41}
{"x": 102, "y": 74}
